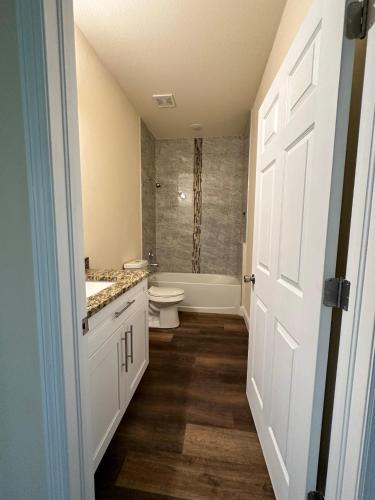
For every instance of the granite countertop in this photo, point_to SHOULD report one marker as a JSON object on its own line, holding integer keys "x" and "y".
{"x": 123, "y": 281}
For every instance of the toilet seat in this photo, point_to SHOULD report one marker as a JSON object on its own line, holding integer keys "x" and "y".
{"x": 158, "y": 291}
{"x": 159, "y": 294}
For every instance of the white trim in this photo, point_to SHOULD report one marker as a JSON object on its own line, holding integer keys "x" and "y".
{"x": 39, "y": 170}
{"x": 249, "y": 246}
{"x": 245, "y": 316}
{"x": 46, "y": 34}
{"x": 367, "y": 479}
{"x": 353, "y": 408}
{"x": 248, "y": 183}
{"x": 211, "y": 310}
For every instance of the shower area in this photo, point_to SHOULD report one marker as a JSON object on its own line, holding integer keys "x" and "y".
{"x": 194, "y": 194}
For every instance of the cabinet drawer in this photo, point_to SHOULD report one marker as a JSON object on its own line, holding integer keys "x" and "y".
{"x": 106, "y": 321}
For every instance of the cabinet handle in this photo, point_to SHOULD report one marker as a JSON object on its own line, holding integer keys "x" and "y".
{"x": 118, "y": 313}
{"x": 125, "y": 340}
{"x": 131, "y": 343}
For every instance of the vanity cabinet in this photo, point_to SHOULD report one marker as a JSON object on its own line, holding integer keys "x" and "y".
{"x": 118, "y": 356}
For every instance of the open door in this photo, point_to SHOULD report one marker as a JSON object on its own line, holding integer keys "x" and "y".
{"x": 302, "y": 127}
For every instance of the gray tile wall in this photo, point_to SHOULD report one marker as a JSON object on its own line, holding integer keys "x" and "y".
{"x": 224, "y": 179}
{"x": 222, "y": 194}
{"x": 148, "y": 191}
{"x": 174, "y": 161}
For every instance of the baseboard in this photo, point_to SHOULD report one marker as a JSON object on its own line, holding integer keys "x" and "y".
{"x": 212, "y": 310}
{"x": 245, "y": 316}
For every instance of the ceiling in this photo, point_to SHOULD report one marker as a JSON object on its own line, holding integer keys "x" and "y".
{"x": 209, "y": 53}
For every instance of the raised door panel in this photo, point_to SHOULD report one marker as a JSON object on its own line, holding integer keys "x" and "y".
{"x": 259, "y": 350}
{"x": 284, "y": 349}
{"x": 105, "y": 394}
{"x": 270, "y": 123}
{"x": 294, "y": 205}
{"x": 303, "y": 77}
{"x": 266, "y": 199}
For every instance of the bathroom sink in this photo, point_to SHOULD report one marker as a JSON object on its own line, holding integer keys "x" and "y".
{"x": 93, "y": 287}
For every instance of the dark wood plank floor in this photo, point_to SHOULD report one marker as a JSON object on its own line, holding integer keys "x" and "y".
{"x": 188, "y": 432}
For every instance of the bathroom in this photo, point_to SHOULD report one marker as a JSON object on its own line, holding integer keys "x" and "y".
{"x": 173, "y": 208}
{"x": 186, "y": 191}
{"x": 170, "y": 205}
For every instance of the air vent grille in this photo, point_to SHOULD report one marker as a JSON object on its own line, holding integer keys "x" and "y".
{"x": 164, "y": 100}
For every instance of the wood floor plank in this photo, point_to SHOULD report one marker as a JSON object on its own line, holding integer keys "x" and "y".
{"x": 118, "y": 493}
{"x": 227, "y": 445}
{"x": 193, "y": 478}
{"x": 188, "y": 432}
{"x": 139, "y": 434}
{"x": 157, "y": 336}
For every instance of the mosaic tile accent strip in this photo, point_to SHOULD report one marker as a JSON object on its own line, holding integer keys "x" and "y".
{"x": 197, "y": 188}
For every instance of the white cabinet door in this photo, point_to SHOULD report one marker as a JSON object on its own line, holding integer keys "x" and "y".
{"x": 301, "y": 150}
{"x": 106, "y": 394}
{"x": 137, "y": 348}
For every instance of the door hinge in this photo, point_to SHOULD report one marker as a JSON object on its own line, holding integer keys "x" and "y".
{"x": 360, "y": 16}
{"x": 85, "y": 325}
{"x": 336, "y": 293}
{"x": 315, "y": 495}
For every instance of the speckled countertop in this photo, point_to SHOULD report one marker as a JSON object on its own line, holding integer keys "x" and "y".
{"x": 123, "y": 281}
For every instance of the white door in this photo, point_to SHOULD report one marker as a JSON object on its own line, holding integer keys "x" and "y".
{"x": 352, "y": 407}
{"x": 302, "y": 126}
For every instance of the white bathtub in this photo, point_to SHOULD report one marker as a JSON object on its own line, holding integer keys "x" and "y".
{"x": 210, "y": 293}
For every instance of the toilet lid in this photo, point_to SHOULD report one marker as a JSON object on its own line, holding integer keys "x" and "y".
{"x": 157, "y": 291}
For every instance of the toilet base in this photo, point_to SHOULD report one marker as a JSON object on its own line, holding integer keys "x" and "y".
{"x": 166, "y": 317}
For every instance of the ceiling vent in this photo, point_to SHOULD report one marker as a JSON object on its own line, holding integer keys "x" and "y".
{"x": 164, "y": 100}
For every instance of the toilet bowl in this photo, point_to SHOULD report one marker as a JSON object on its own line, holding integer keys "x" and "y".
{"x": 163, "y": 304}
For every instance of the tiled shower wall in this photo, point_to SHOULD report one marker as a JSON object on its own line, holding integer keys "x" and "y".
{"x": 148, "y": 191}
{"x": 224, "y": 179}
{"x": 222, "y": 192}
{"x": 174, "y": 162}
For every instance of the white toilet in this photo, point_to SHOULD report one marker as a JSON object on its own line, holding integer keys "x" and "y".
{"x": 163, "y": 304}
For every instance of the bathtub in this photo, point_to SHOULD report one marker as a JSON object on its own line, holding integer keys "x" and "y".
{"x": 209, "y": 293}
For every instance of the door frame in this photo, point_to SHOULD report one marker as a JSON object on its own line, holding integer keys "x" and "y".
{"x": 49, "y": 102}
{"x": 352, "y": 441}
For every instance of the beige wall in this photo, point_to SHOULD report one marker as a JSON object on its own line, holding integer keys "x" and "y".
{"x": 293, "y": 15}
{"x": 109, "y": 133}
